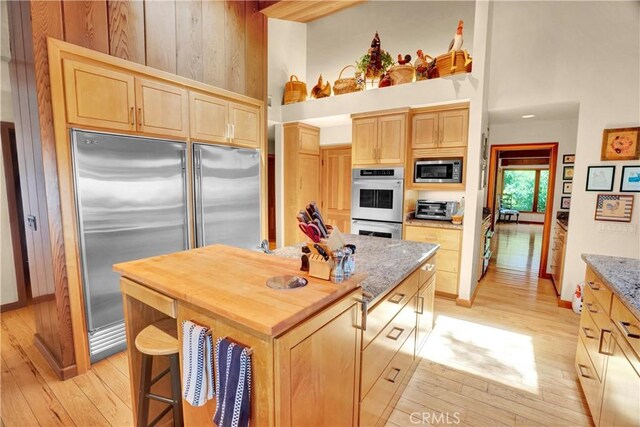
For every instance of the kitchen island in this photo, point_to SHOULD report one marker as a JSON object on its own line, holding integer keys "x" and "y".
{"x": 311, "y": 345}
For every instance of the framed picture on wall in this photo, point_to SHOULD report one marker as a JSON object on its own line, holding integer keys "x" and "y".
{"x": 569, "y": 159}
{"x": 614, "y": 207}
{"x": 620, "y": 144}
{"x": 567, "y": 187}
{"x": 600, "y": 178}
{"x": 565, "y": 202}
{"x": 630, "y": 182}
{"x": 567, "y": 173}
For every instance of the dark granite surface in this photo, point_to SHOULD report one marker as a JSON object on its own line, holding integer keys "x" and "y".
{"x": 386, "y": 261}
{"x": 621, "y": 275}
{"x": 563, "y": 219}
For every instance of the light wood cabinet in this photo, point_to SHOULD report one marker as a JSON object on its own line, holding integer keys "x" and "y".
{"x": 162, "y": 109}
{"x": 424, "y": 308}
{"x": 99, "y": 96}
{"x": 607, "y": 362}
{"x": 450, "y": 241}
{"x": 223, "y": 122}
{"x": 379, "y": 140}
{"x": 318, "y": 368}
{"x": 453, "y": 127}
{"x": 424, "y": 130}
{"x": 336, "y": 187}
{"x": 301, "y": 176}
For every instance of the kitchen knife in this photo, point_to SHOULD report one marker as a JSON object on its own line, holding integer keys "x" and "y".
{"x": 307, "y": 218}
{"x": 321, "y": 251}
{"x": 317, "y": 221}
{"x": 314, "y": 206}
{"x": 301, "y": 219}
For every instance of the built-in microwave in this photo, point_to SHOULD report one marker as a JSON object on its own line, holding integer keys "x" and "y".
{"x": 440, "y": 171}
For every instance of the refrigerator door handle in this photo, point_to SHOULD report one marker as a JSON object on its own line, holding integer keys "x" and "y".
{"x": 185, "y": 197}
{"x": 197, "y": 156}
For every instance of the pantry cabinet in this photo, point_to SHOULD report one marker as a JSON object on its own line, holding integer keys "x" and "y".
{"x": 379, "y": 139}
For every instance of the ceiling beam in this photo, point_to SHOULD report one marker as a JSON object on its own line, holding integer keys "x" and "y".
{"x": 304, "y": 11}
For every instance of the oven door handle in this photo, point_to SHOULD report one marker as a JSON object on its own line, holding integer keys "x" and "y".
{"x": 378, "y": 184}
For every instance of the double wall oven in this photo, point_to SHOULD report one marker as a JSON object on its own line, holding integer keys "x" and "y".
{"x": 376, "y": 202}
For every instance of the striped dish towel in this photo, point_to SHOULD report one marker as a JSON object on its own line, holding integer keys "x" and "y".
{"x": 197, "y": 364}
{"x": 233, "y": 384}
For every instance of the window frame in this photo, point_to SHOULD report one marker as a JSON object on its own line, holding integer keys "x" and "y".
{"x": 536, "y": 186}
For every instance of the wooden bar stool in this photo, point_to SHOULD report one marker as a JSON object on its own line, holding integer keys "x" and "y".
{"x": 158, "y": 340}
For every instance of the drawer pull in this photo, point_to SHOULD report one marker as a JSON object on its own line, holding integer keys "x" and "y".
{"x": 395, "y": 333}
{"x": 587, "y": 333}
{"x": 591, "y": 308}
{"x": 396, "y": 298}
{"x": 581, "y": 367}
{"x": 363, "y": 318}
{"x": 421, "y": 305}
{"x": 625, "y": 328}
{"x": 606, "y": 353}
{"x": 395, "y": 372}
{"x": 593, "y": 286}
{"x": 131, "y": 115}
{"x": 428, "y": 267}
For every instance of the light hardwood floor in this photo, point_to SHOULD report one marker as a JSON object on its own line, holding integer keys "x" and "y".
{"x": 517, "y": 246}
{"x": 508, "y": 360}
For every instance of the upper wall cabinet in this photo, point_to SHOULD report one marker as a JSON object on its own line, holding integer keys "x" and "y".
{"x": 99, "y": 96}
{"x": 380, "y": 139}
{"x": 225, "y": 122}
{"x": 162, "y": 109}
{"x": 440, "y": 129}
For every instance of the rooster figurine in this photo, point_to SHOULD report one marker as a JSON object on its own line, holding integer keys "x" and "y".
{"x": 406, "y": 60}
{"x": 321, "y": 90}
{"x": 456, "y": 45}
{"x": 425, "y": 66}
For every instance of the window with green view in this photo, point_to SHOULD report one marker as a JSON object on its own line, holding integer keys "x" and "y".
{"x": 526, "y": 188}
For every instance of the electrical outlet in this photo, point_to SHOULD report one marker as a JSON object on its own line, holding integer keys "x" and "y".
{"x": 618, "y": 228}
{"x": 31, "y": 223}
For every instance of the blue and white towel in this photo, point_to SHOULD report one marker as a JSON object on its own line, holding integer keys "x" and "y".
{"x": 197, "y": 364}
{"x": 233, "y": 384}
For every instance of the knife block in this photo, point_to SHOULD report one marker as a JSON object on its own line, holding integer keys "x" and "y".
{"x": 320, "y": 268}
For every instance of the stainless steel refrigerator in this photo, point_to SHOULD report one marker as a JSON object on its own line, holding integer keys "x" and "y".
{"x": 227, "y": 195}
{"x": 131, "y": 196}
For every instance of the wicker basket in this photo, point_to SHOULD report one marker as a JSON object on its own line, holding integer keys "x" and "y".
{"x": 400, "y": 74}
{"x": 346, "y": 85}
{"x": 443, "y": 64}
{"x": 295, "y": 91}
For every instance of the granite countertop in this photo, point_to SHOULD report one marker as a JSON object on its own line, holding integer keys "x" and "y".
{"x": 387, "y": 262}
{"x": 621, "y": 275}
{"x": 412, "y": 220}
{"x": 563, "y": 219}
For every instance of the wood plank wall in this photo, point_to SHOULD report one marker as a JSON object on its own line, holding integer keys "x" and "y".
{"x": 220, "y": 42}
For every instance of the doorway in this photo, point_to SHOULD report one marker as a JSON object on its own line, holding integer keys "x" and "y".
{"x": 15, "y": 216}
{"x": 520, "y": 195}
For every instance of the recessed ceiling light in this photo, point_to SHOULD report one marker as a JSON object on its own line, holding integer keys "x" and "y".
{"x": 528, "y": 116}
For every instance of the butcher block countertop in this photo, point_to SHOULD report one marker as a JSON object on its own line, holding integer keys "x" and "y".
{"x": 231, "y": 283}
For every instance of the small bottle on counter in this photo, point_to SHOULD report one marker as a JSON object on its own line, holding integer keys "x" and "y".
{"x": 337, "y": 274}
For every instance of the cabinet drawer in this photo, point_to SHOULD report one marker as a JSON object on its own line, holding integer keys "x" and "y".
{"x": 591, "y": 385}
{"x": 427, "y": 270}
{"x": 601, "y": 293}
{"x": 446, "y": 238}
{"x": 374, "y": 404}
{"x": 448, "y": 260}
{"x": 590, "y": 334}
{"x": 447, "y": 282}
{"x": 593, "y": 306}
{"x": 383, "y": 348}
{"x": 627, "y": 323}
{"x": 381, "y": 314}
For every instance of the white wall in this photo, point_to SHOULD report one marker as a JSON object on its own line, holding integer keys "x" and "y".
{"x": 564, "y": 132}
{"x": 404, "y": 27}
{"x": 8, "y": 284}
{"x": 548, "y": 52}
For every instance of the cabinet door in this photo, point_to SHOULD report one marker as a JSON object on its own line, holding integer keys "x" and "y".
{"x": 364, "y": 145}
{"x": 309, "y": 141}
{"x": 391, "y": 139}
{"x": 308, "y": 179}
{"x": 336, "y": 187}
{"x": 453, "y": 127}
{"x": 209, "y": 118}
{"x": 425, "y": 130}
{"x": 621, "y": 398}
{"x": 318, "y": 368}
{"x": 245, "y": 125}
{"x": 424, "y": 308}
{"x": 97, "y": 96}
{"x": 162, "y": 109}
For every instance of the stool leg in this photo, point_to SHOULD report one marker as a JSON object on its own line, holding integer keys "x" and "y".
{"x": 176, "y": 391}
{"x": 145, "y": 387}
